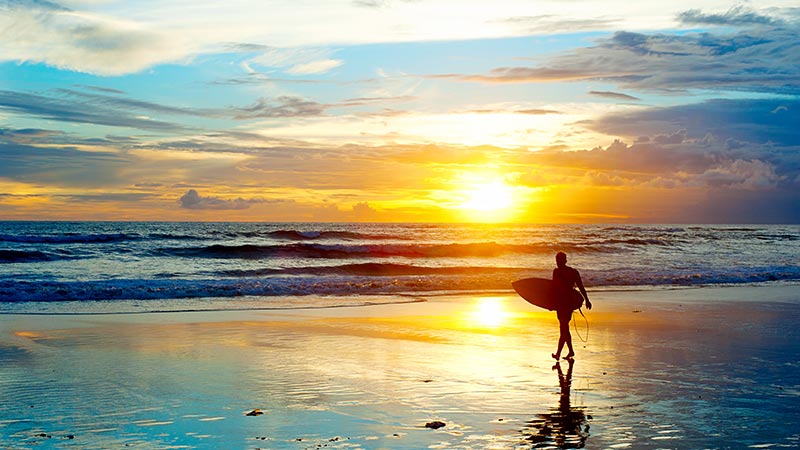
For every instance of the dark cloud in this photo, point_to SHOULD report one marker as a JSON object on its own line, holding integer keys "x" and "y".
{"x": 745, "y": 206}
{"x": 28, "y": 134}
{"x": 60, "y": 165}
{"x": 750, "y": 120}
{"x": 37, "y": 136}
{"x": 743, "y": 183}
{"x": 614, "y": 95}
{"x": 127, "y": 104}
{"x": 736, "y": 16}
{"x": 101, "y": 89}
{"x": 750, "y": 144}
{"x": 69, "y": 110}
{"x": 193, "y": 200}
{"x": 280, "y": 107}
{"x": 760, "y": 60}
{"x": 69, "y": 105}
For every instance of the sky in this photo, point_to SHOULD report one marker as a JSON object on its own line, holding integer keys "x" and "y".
{"x": 560, "y": 111}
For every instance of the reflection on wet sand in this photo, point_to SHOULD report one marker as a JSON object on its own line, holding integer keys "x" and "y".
{"x": 563, "y": 427}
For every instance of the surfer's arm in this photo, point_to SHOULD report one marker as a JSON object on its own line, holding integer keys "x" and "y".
{"x": 579, "y": 282}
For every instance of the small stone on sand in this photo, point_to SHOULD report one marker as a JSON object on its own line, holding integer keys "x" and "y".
{"x": 435, "y": 424}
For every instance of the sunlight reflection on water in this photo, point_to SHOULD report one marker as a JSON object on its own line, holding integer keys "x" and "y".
{"x": 378, "y": 380}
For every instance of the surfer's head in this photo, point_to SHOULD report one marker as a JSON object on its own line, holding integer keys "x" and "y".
{"x": 561, "y": 259}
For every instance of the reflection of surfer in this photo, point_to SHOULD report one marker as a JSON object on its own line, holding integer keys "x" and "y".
{"x": 565, "y": 426}
{"x": 567, "y": 277}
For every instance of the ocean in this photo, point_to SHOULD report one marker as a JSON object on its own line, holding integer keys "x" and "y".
{"x": 63, "y": 267}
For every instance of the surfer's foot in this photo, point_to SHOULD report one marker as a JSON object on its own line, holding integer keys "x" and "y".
{"x": 556, "y": 357}
{"x": 570, "y": 355}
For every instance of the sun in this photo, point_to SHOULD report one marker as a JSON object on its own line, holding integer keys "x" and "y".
{"x": 487, "y": 200}
{"x": 489, "y": 197}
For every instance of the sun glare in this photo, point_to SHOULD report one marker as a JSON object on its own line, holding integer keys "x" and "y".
{"x": 487, "y": 200}
{"x": 490, "y": 313}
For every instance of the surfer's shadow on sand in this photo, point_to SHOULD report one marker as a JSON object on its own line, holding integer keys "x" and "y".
{"x": 564, "y": 426}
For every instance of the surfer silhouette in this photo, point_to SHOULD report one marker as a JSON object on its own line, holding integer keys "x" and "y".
{"x": 566, "y": 277}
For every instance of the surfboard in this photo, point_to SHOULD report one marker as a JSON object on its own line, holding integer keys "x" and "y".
{"x": 547, "y": 294}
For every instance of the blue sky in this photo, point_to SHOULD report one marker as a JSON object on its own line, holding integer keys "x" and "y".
{"x": 392, "y": 110}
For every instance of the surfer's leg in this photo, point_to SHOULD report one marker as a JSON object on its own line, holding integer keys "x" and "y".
{"x": 561, "y": 341}
{"x": 566, "y": 338}
{"x": 557, "y": 354}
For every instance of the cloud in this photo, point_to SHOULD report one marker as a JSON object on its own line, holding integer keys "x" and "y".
{"x": 284, "y": 106}
{"x": 69, "y": 105}
{"x": 60, "y": 165}
{"x": 532, "y": 111}
{"x": 749, "y": 120}
{"x": 735, "y": 16}
{"x": 101, "y": 89}
{"x": 596, "y": 178}
{"x": 70, "y": 110}
{"x": 379, "y": 3}
{"x": 294, "y": 61}
{"x": 550, "y": 23}
{"x": 315, "y": 67}
{"x": 614, "y": 95}
{"x": 371, "y": 3}
{"x": 115, "y": 38}
{"x": 754, "y": 60}
{"x": 362, "y": 101}
{"x": 359, "y": 212}
{"x": 742, "y": 174}
{"x": 44, "y": 32}
{"x": 529, "y": 75}
{"x": 126, "y": 104}
{"x": 108, "y": 197}
{"x": 193, "y": 200}
{"x": 363, "y": 211}
{"x": 677, "y": 161}
{"x": 745, "y": 206}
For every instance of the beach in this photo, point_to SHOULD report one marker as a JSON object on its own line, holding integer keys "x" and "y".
{"x": 699, "y": 367}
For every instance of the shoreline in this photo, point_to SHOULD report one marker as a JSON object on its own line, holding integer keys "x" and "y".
{"x": 688, "y": 368}
{"x": 780, "y": 291}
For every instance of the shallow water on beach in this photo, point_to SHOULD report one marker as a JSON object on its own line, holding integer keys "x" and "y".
{"x": 670, "y": 376}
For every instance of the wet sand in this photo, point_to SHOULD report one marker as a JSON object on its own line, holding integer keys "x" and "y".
{"x": 689, "y": 368}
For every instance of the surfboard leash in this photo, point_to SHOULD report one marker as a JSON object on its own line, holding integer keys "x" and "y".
{"x": 575, "y": 323}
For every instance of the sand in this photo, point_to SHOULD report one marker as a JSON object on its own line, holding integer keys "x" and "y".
{"x": 688, "y": 368}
